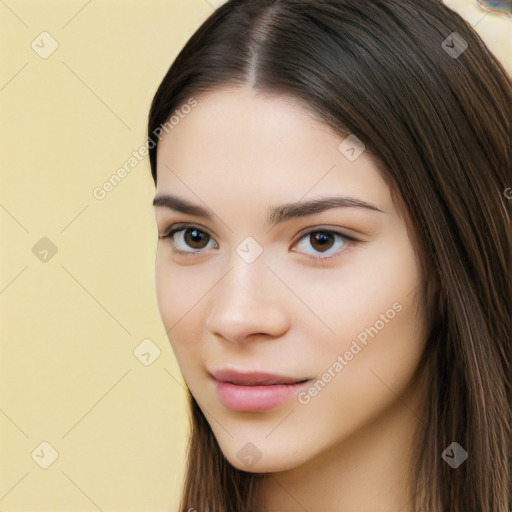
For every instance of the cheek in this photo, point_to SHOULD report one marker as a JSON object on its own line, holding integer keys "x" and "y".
{"x": 380, "y": 333}
{"x": 181, "y": 294}
{"x": 369, "y": 379}
{"x": 179, "y": 288}
{"x": 380, "y": 347}
{"x": 368, "y": 298}
{"x": 381, "y": 287}
{"x": 390, "y": 347}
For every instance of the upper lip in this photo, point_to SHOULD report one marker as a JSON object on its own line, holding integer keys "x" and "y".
{"x": 253, "y": 378}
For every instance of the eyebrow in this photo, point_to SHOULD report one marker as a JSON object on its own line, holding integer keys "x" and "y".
{"x": 276, "y": 214}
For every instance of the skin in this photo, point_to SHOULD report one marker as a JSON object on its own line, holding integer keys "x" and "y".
{"x": 238, "y": 153}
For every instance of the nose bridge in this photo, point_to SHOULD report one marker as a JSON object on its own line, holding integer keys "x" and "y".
{"x": 244, "y": 285}
{"x": 244, "y": 302}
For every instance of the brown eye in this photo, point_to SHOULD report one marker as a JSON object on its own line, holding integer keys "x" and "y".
{"x": 321, "y": 240}
{"x": 324, "y": 243}
{"x": 195, "y": 238}
{"x": 189, "y": 240}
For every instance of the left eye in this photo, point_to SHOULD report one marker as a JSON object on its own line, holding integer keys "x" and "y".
{"x": 190, "y": 240}
{"x": 324, "y": 241}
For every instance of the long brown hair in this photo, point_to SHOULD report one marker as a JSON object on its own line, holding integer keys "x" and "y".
{"x": 433, "y": 109}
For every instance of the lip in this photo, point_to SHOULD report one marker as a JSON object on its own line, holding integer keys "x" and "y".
{"x": 253, "y": 378}
{"x": 254, "y": 390}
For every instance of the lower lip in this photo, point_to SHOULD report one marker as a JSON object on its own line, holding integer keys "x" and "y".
{"x": 256, "y": 398}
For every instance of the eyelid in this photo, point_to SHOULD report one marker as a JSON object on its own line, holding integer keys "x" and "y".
{"x": 326, "y": 260}
{"x": 176, "y": 226}
{"x": 180, "y": 226}
{"x": 324, "y": 227}
{"x": 334, "y": 229}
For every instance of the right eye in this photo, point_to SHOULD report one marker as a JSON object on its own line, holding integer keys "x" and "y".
{"x": 188, "y": 236}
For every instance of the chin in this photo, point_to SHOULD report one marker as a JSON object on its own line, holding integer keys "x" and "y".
{"x": 267, "y": 460}
{"x": 267, "y": 466}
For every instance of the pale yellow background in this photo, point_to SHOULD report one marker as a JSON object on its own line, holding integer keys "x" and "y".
{"x": 69, "y": 326}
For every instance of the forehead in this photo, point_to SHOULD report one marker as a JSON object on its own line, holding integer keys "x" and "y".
{"x": 243, "y": 142}
{"x": 251, "y": 125}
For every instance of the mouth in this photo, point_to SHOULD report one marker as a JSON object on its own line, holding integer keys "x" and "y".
{"x": 254, "y": 378}
{"x": 255, "y": 391}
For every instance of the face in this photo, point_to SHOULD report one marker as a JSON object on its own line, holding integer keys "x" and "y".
{"x": 262, "y": 284}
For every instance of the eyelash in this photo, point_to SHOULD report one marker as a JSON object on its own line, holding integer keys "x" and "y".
{"x": 182, "y": 227}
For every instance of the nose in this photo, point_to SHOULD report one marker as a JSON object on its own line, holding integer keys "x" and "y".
{"x": 246, "y": 304}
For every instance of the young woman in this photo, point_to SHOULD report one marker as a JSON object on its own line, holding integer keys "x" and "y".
{"x": 333, "y": 269}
